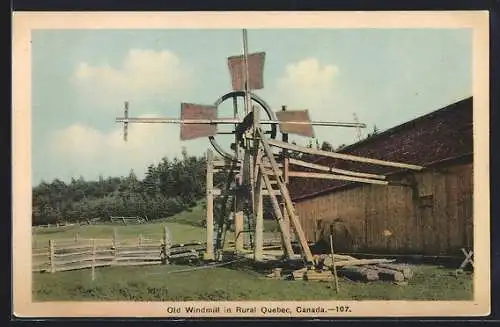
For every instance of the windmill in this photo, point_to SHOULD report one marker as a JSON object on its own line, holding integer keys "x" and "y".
{"x": 253, "y": 169}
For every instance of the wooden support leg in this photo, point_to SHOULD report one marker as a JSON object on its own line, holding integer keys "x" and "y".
{"x": 209, "y": 253}
{"x": 286, "y": 223}
{"x": 468, "y": 259}
{"x": 259, "y": 220}
{"x": 238, "y": 229}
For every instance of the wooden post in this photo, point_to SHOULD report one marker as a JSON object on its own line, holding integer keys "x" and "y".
{"x": 166, "y": 244}
{"x": 257, "y": 200}
{"x": 76, "y": 237}
{"x": 286, "y": 223}
{"x": 209, "y": 253}
{"x": 284, "y": 154}
{"x": 333, "y": 260}
{"x": 93, "y": 259}
{"x": 239, "y": 239}
{"x": 259, "y": 220}
{"x": 52, "y": 257}
{"x": 115, "y": 245}
{"x": 140, "y": 240}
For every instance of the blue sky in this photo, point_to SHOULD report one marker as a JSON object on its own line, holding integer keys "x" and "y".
{"x": 80, "y": 79}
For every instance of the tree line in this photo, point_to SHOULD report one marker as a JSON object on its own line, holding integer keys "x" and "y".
{"x": 169, "y": 187}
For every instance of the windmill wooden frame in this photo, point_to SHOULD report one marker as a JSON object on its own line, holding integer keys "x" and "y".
{"x": 254, "y": 169}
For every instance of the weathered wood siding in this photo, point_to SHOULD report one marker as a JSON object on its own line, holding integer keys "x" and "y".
{"x": 434, "y": 217}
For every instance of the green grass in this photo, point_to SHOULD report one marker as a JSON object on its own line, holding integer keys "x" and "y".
{"x": 157, "y": 283}
{"x": 179, "y": 232}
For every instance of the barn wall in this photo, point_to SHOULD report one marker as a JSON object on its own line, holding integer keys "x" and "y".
{"x": 434, "y": 217}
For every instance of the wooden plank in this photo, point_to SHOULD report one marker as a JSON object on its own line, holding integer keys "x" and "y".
{"x": 426, "y": 211}
{"x": 89, "y": 258}
{"x": 342, "y": 156}
{"x": 396, "y": 219}
{"x": 62, "y": 255}
{"x": 274, "y": 192}
{"x": 218, "y": 163}
{"x": 468, "y": 198}
{"x": 138, "y": 258}
{"x": 145, "y": 263}
{"x": 454, "y": 237}
{"x": 79, "y": 267}
{"x": 409, "y": 213}
{"x": 336, "y": 177}
{"x": 333, "y": 170}
{"x": 440, "y": 230}
{"x": 137, "y": 252}
{"x": 360, "y": 262}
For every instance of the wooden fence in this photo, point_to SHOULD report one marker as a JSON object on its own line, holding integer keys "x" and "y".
{"x": 128, "y": 220}
{"x": 82, "y": 253}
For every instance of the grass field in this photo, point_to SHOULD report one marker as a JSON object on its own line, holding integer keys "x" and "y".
{"x": 237, "y": 282}
{"x": 155, "y": 283}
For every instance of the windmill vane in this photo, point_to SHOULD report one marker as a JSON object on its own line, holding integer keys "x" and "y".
{"x": 250, "y": 164}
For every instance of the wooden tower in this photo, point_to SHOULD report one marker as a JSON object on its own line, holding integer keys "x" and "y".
{"x": 253, "y": 166}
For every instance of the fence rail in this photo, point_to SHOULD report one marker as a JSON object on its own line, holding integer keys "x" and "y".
{"x": 128, "y": 220}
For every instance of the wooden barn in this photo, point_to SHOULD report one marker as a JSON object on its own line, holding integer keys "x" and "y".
{"x": 427, "y": 212}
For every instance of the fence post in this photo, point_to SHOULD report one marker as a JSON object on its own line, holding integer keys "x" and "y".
{"x": 77, "y": 237}
{"x": 114, "y": 244}
{"x": 93, "y": 259}
{"x": 166, "y": 244}
{"x": 52, "y": 257}
{"x": 140, "y": 240}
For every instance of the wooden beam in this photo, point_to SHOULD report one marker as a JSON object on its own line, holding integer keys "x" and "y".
{"x": 342, "y": 155}
{"x": 220, "y": 163}
{"x": 209, "y": 252}
{"x": 259, "y": 218}
{"x": 267, "y": 192}
{"x": 333, "y": 170}
{"x": 336, "y": 177}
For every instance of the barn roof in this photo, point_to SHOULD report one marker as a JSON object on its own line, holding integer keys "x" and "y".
{"x": 439, "y": 136}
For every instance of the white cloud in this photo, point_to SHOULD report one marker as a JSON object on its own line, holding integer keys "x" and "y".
{"x": 143, "y": 73}
{"x": 83, "y": 150}
{"x": 315, "y": 86}
{"x": 308, "y": 83}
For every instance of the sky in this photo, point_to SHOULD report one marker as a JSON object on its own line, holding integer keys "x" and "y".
{"x": 81, "y": 78}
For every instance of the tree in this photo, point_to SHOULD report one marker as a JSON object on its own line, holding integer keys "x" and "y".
{"x": 374, "y": 132}
{"x": 326, "y": 146}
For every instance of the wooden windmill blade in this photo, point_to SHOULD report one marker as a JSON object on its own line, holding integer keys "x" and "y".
{"x": 295, "y": 122}
{"x": 236, "y": 66}
{"x": 191, "y": 111}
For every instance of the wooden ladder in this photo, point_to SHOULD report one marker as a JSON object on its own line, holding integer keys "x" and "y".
{"x": 289, "y": 207}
